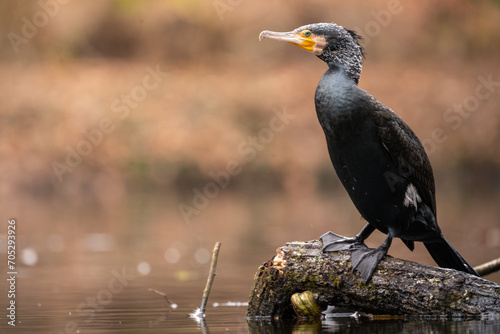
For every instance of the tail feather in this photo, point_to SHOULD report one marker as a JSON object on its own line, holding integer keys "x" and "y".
{"x": 446, "y": 256}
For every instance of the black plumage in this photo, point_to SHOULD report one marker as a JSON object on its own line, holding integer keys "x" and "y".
{"x": 378, "y": 158}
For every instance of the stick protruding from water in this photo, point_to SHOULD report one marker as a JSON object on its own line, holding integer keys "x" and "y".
{"x": 210, "y": 279}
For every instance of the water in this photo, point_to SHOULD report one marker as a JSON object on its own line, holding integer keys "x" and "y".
{"x": 117, "y": 300}
{"x": 95, "y": 303}
{"x": 91, "y": 269}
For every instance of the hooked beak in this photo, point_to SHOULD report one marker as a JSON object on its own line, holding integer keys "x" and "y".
{"x": 291, "y": 37}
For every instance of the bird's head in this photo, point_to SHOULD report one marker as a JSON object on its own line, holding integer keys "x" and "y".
{"x": 330, "y": 42}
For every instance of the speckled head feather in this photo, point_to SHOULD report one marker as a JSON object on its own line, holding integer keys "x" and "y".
{"x": 341, "y": 47}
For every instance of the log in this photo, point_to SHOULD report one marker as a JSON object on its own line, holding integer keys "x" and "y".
{"x": 398, "y": 287}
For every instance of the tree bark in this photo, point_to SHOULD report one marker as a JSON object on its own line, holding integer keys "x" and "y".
{"x": 398, "y": 287}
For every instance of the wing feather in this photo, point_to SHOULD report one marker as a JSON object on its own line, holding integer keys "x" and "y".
{"x": 407, "y": 152}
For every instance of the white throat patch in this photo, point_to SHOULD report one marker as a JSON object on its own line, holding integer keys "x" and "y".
{"x": 412, "y": 197}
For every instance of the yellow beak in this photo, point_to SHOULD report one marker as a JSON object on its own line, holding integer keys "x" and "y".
{"x": 294, "y": 38}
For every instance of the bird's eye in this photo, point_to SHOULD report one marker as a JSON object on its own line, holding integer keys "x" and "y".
{"x": 307, "y": 33}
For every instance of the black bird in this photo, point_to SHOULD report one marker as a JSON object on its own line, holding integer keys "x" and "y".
{"x": 378, "y": 158}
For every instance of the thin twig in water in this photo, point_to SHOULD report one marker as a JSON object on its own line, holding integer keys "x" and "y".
{"x": 210, "y": 279}
{"x": 164, "y": 295}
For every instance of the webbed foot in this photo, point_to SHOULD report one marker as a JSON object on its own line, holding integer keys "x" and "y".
{"x": 365, "y": 260}
{"x": 333, "y": 242}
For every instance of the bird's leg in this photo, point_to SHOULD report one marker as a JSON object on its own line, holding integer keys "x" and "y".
{"x": 365, "y": 260}
{"x": 365, "y": 232}
{"x": 333, "y": 242}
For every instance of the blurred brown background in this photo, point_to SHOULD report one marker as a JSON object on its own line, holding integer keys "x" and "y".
{"x": 116, "y": 115}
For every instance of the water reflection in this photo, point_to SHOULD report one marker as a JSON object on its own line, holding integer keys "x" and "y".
{"x": 380, "y": 326}
{"x": 95, "y": 271}
{"x": 134, "y": 309}
{"x": 107, "y": 298}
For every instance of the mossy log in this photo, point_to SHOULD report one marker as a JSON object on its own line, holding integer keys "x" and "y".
{"x": 398, "y": 287}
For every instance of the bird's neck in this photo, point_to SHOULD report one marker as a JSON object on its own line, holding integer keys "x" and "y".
{"x": 349, "y": 63}
{"x": 352, "y": 72}
{"x": 334, "y": 99}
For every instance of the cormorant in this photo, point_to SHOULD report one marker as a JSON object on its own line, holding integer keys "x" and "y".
{"x": 378, "y": 158}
